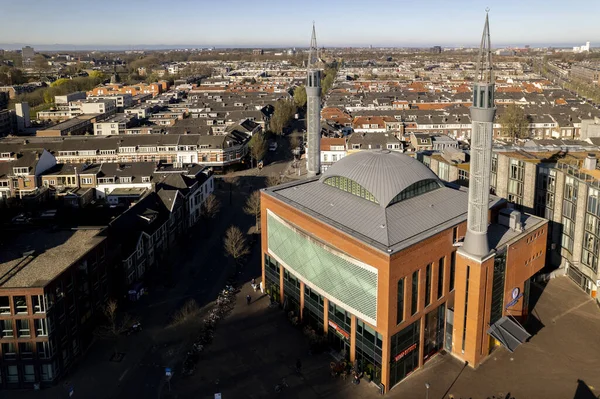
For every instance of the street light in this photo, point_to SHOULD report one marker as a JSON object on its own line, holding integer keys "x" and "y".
{"x": 427, "y": 392}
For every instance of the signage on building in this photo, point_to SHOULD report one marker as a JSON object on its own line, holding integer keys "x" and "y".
{"x": 516, "y": 295}
{"x": 405, "y": 352}
{"x": 339, "y": 330}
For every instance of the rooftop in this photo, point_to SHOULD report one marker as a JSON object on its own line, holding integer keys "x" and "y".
{"x": 54, "y": 252}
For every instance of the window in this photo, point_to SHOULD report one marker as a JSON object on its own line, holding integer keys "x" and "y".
{"x": 464, "y": 335}
{"x": 38, "y": 304}
{"x": 41, "y": 327}
{"x": 7, "y": 328}
{"x": 21, "y": 171}
{"x": 415, "y": 292}
{"x": 452, "y": 270}
{"x": 86, "y": 180}
{"x": 350, "y": 186}
{"x": 12, "y": 374}
{"x": 443, "y": 171}
{"x": 9, "y": 351}
{"x": 47, "y": 372}
{"x": 20, "y": 303}
{"x": 428, "y": 285}
{"x": 26, "y": 350}
{"x": 440, "y": 281}
{"x": 44, "y": 350}
{"x": 145, "y": 179}
{"x": 23, "y": 328}
{"x": 4, "y": 305}
{"x": 400, "y": 302}
{"x": 415, "y": 189}
{"x": 28, "y": 373}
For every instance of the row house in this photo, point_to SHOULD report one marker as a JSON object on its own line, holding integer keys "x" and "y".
{"x": 216, "y": 151}
{"x": 53, "y": 287}
{"x": 114, "y": 89}
{"x": 332, "y": 150}
{"x": 20, "y": 175}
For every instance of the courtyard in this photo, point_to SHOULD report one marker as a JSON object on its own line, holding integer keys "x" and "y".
{"x": 256, "y": 347}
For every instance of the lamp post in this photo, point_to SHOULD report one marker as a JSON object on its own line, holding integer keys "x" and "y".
{"x": 427, "y": 390}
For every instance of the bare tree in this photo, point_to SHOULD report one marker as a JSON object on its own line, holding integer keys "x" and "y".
{"x": 253, "y": 207}
{"x": 235, "y": 244}
{"x": 273, "y": 180}
{"x": 188, "y": 311}
{"x": 211, "y": 207}
{"x": 113, "y": 326}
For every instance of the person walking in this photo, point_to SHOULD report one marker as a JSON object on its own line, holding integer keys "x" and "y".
{"x": 248, "y": 299}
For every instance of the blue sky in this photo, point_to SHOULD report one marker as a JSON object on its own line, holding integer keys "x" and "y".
{"x": 288, "y": 23}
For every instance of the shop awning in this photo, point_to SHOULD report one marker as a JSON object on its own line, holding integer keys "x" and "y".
{"x": 510, "y": 333}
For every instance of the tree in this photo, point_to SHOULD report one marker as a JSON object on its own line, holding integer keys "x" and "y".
{"x": 273, "y": 180}
{"x": 300, "y": 96}
{"x": 97, "y": 75}
{"x": 188, "y": 311}
{"x": 113, "y": 327}
{"x": 258, "y": 146}
{"x": 211, "y": 207}
{"x": 253, "y": 207}
{"x": 235, "y": 244}
{"x": 284, "y": 111}
{"x": 515, "y": 124}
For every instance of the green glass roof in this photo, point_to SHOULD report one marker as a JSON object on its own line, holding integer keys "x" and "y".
{"x": 336, "y": 276}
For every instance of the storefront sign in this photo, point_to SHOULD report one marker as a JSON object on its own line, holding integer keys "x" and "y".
{"x": 405, "y": 352}
{"x": 514, "y": 301}
{"x": 338, "y": 329}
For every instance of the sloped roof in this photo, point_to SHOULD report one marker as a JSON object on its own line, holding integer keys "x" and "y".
{"x": 383, "y": 173}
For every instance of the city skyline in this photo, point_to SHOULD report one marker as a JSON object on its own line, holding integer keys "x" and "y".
{"x": 346, "y": 24}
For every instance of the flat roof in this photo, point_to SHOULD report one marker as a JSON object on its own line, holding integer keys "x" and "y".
{"x": 54, "y": 252}
{"x": 389, "y": 229}
{"x": 500, "y": 235}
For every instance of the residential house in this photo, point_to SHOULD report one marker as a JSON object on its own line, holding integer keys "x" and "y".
{"x": 332, "y": 150}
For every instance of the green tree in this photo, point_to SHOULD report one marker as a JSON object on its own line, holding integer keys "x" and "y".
{"x": 258, "y": 146}
{"x": 97, "y": 75}
{"x": 284, "y": 112}
{"x": 515, "y": 123}
{"x": 59, "y": 82}
{"x": 300, "y": 96}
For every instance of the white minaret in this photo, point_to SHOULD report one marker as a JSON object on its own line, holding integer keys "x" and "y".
{"x": 313, "y": 106}
{"x": 482, "y": 111}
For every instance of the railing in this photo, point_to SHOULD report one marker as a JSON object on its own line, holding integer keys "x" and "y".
{"x": 574, "y": 170}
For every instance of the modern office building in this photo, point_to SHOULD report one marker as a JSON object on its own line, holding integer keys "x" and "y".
{"x": 371, "y": 254}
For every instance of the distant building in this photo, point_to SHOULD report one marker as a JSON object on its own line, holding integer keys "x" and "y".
{"x": 582, "y": 49}
{"x": 587, "y": 72}
{"x": 436, "y": 50}
{"x": 27, "y": 54}
{"x": 67, "y": 98}
{"x": 257, "y": 51}
{"x": 22, "y": 113}
{"x": 5, "y": 122}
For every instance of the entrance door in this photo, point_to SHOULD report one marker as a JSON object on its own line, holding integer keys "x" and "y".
{"x": 339, "y": 343}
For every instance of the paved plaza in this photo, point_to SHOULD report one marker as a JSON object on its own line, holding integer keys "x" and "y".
{"x": 256, "y": 346}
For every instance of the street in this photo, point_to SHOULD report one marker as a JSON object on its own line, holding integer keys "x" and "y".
{"x": 199, "y": 271}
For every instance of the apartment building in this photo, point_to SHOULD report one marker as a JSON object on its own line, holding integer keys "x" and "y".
{"x": 332, "y": 150}
{"x": 115, "y": 125}
{"x": 53, "y": 285}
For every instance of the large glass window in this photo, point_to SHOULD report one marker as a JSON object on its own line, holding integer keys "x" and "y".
{"x": 452, "y": 270}
{"x": 498, "y": 287}
{"x": 464, "y": 334}
{"x": 313, "y": 308}
{"x": 272, "y": 278}
{"x": 440, "y": 281}
{"x": 428, "y": 285}
{"x": 12, "y": 374}
{"x": 6, "y": 327}
{"x": 368, "y": 350}
{"x": 23, "y": 328}
{"x": 404, "y": 352}
{"x": 434, "y": 332}
{"x": 20, "y": 303}
{"x": 348, "y": 185}
{"x": 591, "y": 236}
{"x": 4, "y": 305}
{"x": 400, "y": 301}
{"x": 418, "y": 188}
{"x": 9, "y": 351}
{"x": 415, "y": 292}
{"x": 291, "y": 290}
{"x": 568, "y": 213}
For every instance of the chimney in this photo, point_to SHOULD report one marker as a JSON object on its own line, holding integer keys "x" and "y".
{"x": 590, "y": 162}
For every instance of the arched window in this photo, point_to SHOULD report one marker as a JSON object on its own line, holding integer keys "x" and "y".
{"x": 349, "y": 185}
{"x": 418, "y": 188}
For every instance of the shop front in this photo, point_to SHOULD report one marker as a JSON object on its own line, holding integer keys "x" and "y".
{"x": 272, "y": 278}
{"x": 368, "y": 351}
{"x": 313, "y": 312}
{"x": 339, "y": 330}
{"x": 404, "y": 353}
{"x": 291, "y": 293}
{"x": 434, "y": 332}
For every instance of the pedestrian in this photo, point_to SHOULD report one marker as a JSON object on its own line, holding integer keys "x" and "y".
{"x": 248, "y": 299}
{"x": 262, "y": 291}
{"x": 253, "y": 284}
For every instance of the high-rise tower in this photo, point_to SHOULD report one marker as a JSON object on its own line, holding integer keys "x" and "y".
{"x": 482, "y": 111}
{"x": 313, "y": 105}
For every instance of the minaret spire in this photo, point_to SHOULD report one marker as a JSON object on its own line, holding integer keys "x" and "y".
{"x": 313, "y": 108}
{"x": 482, "y": 113}
{"x": 313, "y": 52}
{"x": 485, "y": 73}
